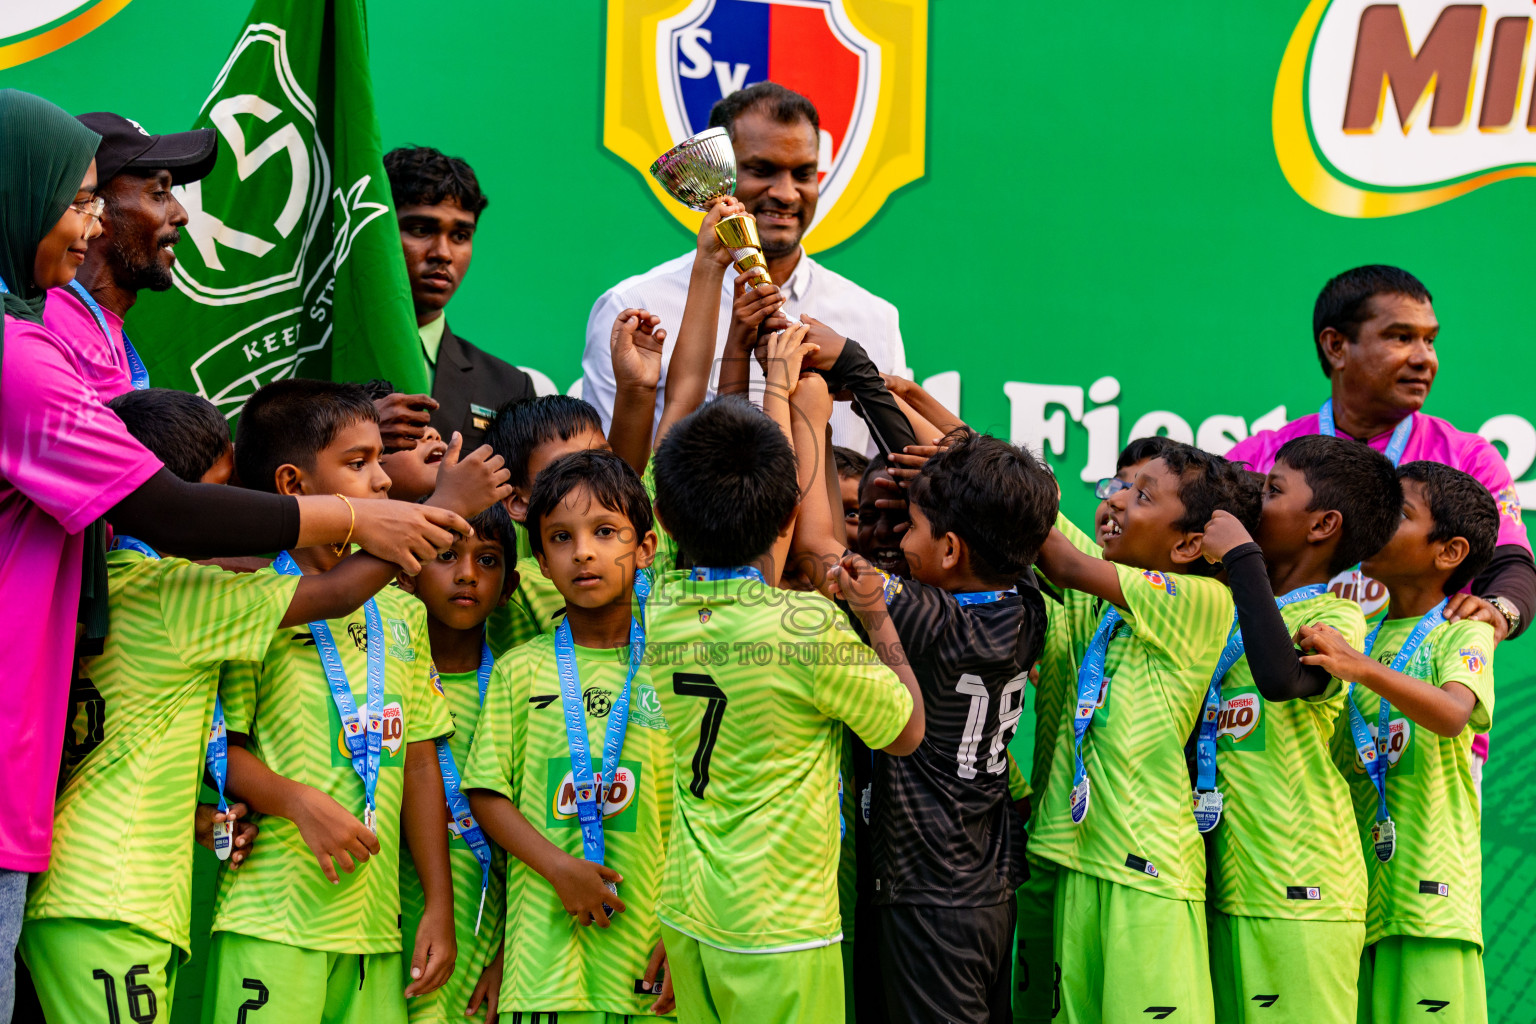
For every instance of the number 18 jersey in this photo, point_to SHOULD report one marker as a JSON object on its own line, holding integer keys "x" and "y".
{"x": 944, "y": 832}
{"x": 753, "y": 681}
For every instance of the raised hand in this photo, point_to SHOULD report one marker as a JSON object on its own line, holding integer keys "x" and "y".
{"x": 782, "y": 354}
{"x": 829, "y": 344}
{"x": 1223, "y": 533}
{"x": 635, "y": 345}
{"x": 403, "y": 419}
{"x": 471, "y": 484}
{"x": 405, "y": 533}
{"x": 709, "y": 243}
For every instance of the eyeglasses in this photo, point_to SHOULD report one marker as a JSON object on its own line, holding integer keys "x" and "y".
{"x": 92, "y": 208}
{"x": 1109, "y": 485}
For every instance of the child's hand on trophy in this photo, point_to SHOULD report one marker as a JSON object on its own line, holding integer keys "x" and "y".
{"x": 710, "y": 248}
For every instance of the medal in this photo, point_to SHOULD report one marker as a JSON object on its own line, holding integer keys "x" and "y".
{"x": 1207, "y": 807}
{"x": 1384, "y": 838}
{"x": 223, "y": 839}
{"x": 1080, "y": 801}
{"x": 371, "y": 820}
{"x": 612, "y": 887}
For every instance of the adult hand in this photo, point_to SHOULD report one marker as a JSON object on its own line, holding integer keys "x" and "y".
{"x": 1470, "y": 606}
{"x": 403, "y": 419}
{"x": 635, "y": 346}
{"x": 405, "y": 533}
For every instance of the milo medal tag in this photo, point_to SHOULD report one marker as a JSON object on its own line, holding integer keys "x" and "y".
{"x": 1207, "y": 808}
{"x": 612, "y": 887}
{"x": 1080, "y": 801}
{"x": 223, "y": 839}
{"x": 371, "y": 820}
{"x": 1384, "y": 836}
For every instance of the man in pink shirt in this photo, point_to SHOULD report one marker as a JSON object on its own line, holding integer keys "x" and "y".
{"x": 140, "y": 227}
{"x": 1375, "y": 330}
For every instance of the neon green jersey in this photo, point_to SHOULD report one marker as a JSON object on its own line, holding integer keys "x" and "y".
{"x": 1432, "y": 887}
{"x": 1274, "y": 769}
{"x": 1139, "y": 830}
{"x": 753, "y": 681}
{"x": 521, "y": 751}
{"x": 134, "y": 755}
{"x": 283, "y": 703}
{"x": 462, "y": 691}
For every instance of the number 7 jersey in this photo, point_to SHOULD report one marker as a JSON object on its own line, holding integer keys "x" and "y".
{"x": 943, "y": 829}
{"x": 753, "y": 682}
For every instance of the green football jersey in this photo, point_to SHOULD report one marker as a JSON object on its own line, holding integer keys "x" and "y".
{"x": 521, "y": 751}
{"x": 754, "y": 681}
{"x": 123, "y": 822}
{"x": 1274, "y": 769}
{"x": 462, "y": 691}
{"x": 283, "y": 703}
{"x": 1140, "y": 830}
{"x": 1432, "y": 887}
{"x": 1070, "y": 622}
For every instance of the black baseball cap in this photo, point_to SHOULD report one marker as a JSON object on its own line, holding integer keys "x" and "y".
{"x": 126, "y": 146}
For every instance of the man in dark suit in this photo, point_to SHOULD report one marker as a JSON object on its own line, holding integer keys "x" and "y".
{"x": 438, "y": 202}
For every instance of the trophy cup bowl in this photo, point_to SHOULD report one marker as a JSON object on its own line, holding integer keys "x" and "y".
{"x": 700, "y": 170}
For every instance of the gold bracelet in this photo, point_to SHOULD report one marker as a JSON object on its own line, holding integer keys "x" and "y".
{"x": 341, "y": 549}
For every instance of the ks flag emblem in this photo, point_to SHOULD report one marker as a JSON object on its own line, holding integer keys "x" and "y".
{"x": 863, "y": 63}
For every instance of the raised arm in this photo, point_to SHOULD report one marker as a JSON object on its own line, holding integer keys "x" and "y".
{"x": 636, "y": 344}
{"x": 1065, "y": 566}
{"x": 783, "y": 354}
{"x": 815, "y": 544}
{"x": 1444, "y": 710}
{"x": 924, "y": 404}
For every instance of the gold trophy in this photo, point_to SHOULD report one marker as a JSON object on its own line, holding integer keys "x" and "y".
{"x": 700, "y": 170}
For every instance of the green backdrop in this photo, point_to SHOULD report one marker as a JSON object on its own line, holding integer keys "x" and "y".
{"x": 1102, "y": 197}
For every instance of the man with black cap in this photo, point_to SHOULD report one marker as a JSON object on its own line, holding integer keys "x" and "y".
{"x": 140, "y": 227}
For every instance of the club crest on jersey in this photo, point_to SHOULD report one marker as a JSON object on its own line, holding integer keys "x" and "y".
{"x": 1161, "y": 581}
{"x": 359, "y": 634}
{"x": 399, "y": 646}
{"x": 704, "y": 614}
{"x": 436, "y": 680}
{"x": 862, "y": 63}
{"x": 1474, "y": 659}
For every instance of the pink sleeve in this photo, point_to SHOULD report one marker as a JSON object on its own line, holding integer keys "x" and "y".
{"x": 1482, "y": 460}
{"x": 1256, "y": 450}
{"x": 59, "y": 446}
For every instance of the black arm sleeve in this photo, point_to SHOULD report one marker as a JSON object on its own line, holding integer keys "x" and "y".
{"x": 854, "y": 371}
{"x": 1272, "y": 658}
{"x": 1511, "y": 575}
{"x": 204, "y": 520}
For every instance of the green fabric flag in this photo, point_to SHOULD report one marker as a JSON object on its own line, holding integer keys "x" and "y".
{"x": 290, "y": 263}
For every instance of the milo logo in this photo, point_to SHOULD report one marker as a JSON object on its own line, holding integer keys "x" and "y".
{"x": 1240, "y": 722}
{"x": 619, "y": 806}
{"x": 393, "y": 733}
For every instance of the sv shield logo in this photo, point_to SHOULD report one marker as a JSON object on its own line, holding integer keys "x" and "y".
{"x": 1387, "y": 108}
{"x": 863, "y": 63}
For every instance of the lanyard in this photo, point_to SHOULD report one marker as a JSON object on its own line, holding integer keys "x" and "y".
{"x": 217, "y": 753}
{"x": 1395, "y": 446}
{"x": 1091, "y": 683}
{"x": 1373, "y": 755}
{"x": 702, "y": 573}
{"x": 365, "y": 743}
{"x": 1208, "y": 811}
{"x": 458, "y": 805}
{"x": 965, "y": 600}
{"x": 136, "y": 371}
{"x": 592, "y": 789}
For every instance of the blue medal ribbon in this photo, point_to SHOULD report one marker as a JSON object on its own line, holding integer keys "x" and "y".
{"x": 365, "y": 741}
{"x": 1091, "y": 682}
{"x": 1208, "y": 808}
{"x": 703, "y": 574}
{"x": 1373, "y": 755}
{"x": 1396, "y": 445}
{"x": 966, "y": 599}
{"x": 592, "y": 788}
{"x": 137, "y": 374}
{"x": 458, "y": 805}
{"x": 217, "y": 753}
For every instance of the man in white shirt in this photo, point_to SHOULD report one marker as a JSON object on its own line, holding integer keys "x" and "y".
{"x": 776, "y": 135}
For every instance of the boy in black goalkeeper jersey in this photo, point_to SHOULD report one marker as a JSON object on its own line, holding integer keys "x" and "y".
{"x": 948, "y": 846}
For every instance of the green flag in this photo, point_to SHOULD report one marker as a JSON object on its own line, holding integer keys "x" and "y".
{"x": 290, "y": 263}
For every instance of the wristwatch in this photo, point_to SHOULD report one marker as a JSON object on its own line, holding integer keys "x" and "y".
{"x": 1507, "y": 609}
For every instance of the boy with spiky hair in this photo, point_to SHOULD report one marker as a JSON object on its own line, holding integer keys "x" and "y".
{"x": 460, "y": 589}
{"x": 331, "y": 736}
{"x": 1288, "y": 915}
{"x": 590, "y": 523}
{"x": 1423, "y": 689}
{"x": 1115, "y": 818}
{"x": 749, "y": 905}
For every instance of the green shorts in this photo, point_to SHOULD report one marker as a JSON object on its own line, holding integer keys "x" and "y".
{"x": 255, "y": 981}
{"x": 1127, "y": 956}
{"x": 1267, "y": 970}
{"x": 90, "y": 971}
{"x": 716, "y": 987}
{"x": 846, "y": 949}
{"x": 1403, "y": 977}
{"x": 1034, "y": 971}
